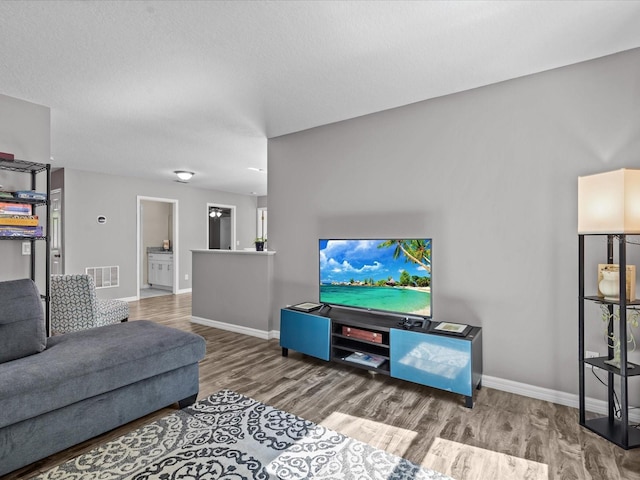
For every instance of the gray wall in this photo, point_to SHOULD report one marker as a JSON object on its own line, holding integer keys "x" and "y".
{"x": 25, "y": 129}
{"x": 489, "y": 174}
{"x": 88, "y": 244}
{"x": 25, "y": 132}
{"x": 233, "y": 288}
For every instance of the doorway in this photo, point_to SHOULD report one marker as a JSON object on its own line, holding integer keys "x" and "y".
{"x": 221, "y": 227}
{"x": 157, "y": 246}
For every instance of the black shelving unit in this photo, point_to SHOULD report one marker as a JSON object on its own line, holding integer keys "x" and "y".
{"x": 612, "y": 427}
{"x": 34, "y": 169}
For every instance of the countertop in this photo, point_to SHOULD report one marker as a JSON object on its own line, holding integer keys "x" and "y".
{"x": 235, "y": 252}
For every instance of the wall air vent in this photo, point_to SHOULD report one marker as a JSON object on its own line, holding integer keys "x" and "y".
{"x": 104, "y": 277}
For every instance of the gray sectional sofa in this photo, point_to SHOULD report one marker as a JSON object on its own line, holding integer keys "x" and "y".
{"x": 59, "y": 391}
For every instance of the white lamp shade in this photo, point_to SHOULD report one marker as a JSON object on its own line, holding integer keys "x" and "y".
{"x": 609, "y": 202}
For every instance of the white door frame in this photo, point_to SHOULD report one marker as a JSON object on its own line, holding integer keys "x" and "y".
{"x": 233, "y": 222}
{"x": 176, "y": 244}
{"x": 57, "y": 234}
{"x": 259, "y": 232}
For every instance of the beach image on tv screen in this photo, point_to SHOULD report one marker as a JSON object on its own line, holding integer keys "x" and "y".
{"x": 390, "y": 275}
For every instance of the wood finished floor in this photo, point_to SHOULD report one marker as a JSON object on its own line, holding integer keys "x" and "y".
{"x": 399, "y": 416}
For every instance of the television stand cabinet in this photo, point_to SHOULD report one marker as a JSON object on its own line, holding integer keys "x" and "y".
{"x": 377, "y": 342}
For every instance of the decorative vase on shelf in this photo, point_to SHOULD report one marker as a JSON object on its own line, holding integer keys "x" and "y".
{"x": 610, "y": 284}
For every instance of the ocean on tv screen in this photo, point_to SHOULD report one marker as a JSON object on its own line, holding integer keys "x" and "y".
{"x": 389, "y": 274}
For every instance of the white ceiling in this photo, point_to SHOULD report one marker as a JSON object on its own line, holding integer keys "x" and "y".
{"x": 142, "y": 88}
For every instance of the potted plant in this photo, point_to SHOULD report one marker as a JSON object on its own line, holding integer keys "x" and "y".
{"x": 260, "y": 244}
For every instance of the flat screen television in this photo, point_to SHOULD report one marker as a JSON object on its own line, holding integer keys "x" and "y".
{"x": 385, "y": 275}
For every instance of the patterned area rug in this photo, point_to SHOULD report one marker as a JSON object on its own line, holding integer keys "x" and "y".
{"x": 230, "y": 436}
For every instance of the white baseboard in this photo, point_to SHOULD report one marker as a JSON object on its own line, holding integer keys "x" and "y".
{"x": 561, "y": 398}
{"x": 133, "y": 299}
{"x": 254, "y": 332}
{"x": 541, "y": 393}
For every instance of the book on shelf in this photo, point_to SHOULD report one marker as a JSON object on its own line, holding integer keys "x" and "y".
{"x": 306, "y": 306}
{"x": 15, "y": 208}
{"x": 20, "y": 220}
{"x": 367, "y": 359}
{"x": 30, "y": 195}
{"x": 18, "y": 231}
{"x": 448, "y": 328}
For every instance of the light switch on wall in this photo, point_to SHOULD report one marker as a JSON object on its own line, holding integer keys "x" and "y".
{"x": 26, "y": 248}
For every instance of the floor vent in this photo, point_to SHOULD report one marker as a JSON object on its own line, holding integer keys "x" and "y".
{"x": 104, "y": 277}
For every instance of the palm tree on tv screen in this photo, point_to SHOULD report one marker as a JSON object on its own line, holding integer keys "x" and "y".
{"x": 416, "y": 251}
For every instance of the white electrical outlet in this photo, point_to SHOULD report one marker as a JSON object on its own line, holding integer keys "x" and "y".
{"x": 26, "y": 248}
{"x": 589, "y": 354}
{"x": 186, "y": 276}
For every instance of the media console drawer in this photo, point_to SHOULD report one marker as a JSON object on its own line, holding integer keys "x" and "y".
{"x": 306, "y": 333}
{"x": 450, "y": 363}
{"x": 360, "y": 334}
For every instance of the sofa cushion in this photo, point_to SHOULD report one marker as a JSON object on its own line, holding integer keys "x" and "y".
{"x": 80, "y": 365}
{"x": 22, "y": 329}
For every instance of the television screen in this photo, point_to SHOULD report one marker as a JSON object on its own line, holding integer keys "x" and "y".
{"x": 388, "y": 275}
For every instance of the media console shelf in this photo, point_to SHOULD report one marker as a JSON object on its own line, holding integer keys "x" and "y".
{"x": 377, "y": 343}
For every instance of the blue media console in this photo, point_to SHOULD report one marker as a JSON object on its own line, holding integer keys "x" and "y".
{"x": 378, "y": 343}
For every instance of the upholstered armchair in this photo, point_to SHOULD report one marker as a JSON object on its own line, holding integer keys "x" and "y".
{"x": 75, "y": 306}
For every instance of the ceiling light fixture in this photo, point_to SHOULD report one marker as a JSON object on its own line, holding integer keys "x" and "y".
{"x": 214, "y": 213}
{"x": 183, "y": 176}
